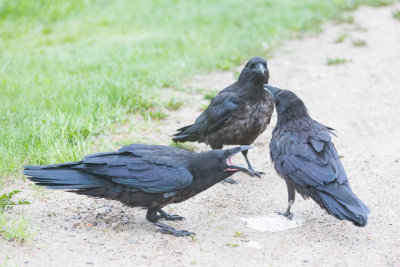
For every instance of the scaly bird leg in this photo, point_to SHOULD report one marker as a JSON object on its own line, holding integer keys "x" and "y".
{"x": 165, "y": 229}
{"x": 169, "y": 217}
{"x": 255, "y": 173}
{"x": 291, "y": 198}
{"x": 287, "y": 213}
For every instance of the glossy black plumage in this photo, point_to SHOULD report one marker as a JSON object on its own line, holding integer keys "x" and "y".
{"x": 149, "y": 176}
{"x": 304, "y": 155}
{"x": 237, "y": 115}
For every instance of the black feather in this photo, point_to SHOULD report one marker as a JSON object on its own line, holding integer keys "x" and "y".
{"x": 138, "y": 175}
{"x": 237, "y": 115}
{"x": 304, "y": 155}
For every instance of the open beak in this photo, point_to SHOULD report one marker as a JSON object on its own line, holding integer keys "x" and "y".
{"x": 230, "y": 166}
{"x": 271, "y": 90}
{"x": 260, "y": 69}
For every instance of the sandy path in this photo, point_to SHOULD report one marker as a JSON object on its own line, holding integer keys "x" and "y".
{"x": 359, "y": 98}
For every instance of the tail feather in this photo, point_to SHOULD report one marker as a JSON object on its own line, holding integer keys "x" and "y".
{"x": 188, "y": 133}
{"x": 339, "y": 201}
{"x": 64, "y": 176}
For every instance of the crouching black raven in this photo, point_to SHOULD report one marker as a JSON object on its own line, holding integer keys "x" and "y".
{"x": 149, "y": 176}
{"x": 237, "y": 115}
{"x": 303, "y": 154}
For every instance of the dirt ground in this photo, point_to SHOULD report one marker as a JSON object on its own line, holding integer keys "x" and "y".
{"x": 236, "y": 225}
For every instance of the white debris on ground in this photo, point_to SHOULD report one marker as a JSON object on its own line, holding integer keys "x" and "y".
{"x": 253, "y": 244}
{"x": 272, "y": 223}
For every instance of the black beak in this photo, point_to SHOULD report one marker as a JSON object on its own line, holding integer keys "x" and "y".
{"x": 259, "y": 69}
{"x": 233, "y": 167}
{"x": 271, "y": 90}
{"x": 235, "y": 150}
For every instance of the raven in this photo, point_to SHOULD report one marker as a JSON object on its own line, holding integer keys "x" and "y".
{"x": 237, "y": 115}
{"x": 149, "y": 176}
{"x": 304, "y": 155}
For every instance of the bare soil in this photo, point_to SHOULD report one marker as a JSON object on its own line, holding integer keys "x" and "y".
{"x": 236, "y": 225}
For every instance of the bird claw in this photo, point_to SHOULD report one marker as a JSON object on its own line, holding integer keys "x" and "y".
{"x": 288, "y": 215}
{"x": 165, "y": 229}
{"x": 174, "y": 217}
{"x": 229, "y": 181}
{"x": 255, "y": 173}
{"x": 170, "y": 217}
{"x": 178, "y": 233}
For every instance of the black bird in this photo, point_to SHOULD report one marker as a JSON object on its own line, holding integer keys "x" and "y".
{"x": 237, "y": 115}
{"x": 304, "y": 155}
{"x": 148, "y": 176}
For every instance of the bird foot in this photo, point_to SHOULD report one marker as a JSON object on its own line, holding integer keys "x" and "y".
{"x": 288, "y": 215}
{"x": 255, "y": 173}
{"x": 229, "y": 181}
{"x": 165, "y": 229}
{"x": 169, "y": 217}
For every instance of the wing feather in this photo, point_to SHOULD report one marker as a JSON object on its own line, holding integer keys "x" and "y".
{"x": 153, "y": 169}
{"x": 308, "y": 157}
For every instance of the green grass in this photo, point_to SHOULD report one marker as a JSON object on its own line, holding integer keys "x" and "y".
{"x": 346, "y": 19}
{"x": 379, "y": 3}
{"x": 341, "y": 38}
{"x": 335, "y": 61}
{"x": 6, "y": 201}
{"x": 14, "y": 228}
{"x": 70, "y": 70}
{"x": 238, "y": 234}
{"x": 358, "y": 42}
{"x": 185, "y": 146}
{"x": 396, "y": 14}
{"x": 174, "y": 104}
{"x": 232, "y": 245}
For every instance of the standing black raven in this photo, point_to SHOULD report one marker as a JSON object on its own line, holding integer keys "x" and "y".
{"x": 149, "y": 176}
{"x": 305, "y": 157}
{"x": 237, "y": 115}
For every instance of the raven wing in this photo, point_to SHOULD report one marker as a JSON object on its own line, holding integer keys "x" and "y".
{"x": 306, "y": 155}
{"x": 153, "y": 169}
{"x": 219, "y": 111}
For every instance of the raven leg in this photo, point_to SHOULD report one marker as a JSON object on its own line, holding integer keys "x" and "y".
{"x": 258, "y": 174}
{"x": 291, "y": 198}
{"x": 165, "y": 229}
{"x": 169, "y": 217}
{"x": 152, "y": 216}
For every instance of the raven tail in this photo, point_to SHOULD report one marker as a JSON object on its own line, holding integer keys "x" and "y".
{"x": 188, "y": 133}
{"x": 339, "y": 201}
{"x": 64, "y": 176}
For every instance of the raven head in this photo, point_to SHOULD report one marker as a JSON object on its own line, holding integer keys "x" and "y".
{"x": 218, "y": 162}
{"x": 256, "y": 68}
{"x": 288, "y": 105}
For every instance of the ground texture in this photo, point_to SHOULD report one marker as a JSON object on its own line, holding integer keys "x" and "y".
{"x": 236, "y": 225}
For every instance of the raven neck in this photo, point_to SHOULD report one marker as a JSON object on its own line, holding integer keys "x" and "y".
{"x": 252, "y": 88}
{"x": 292, "y": 115}
{"x": 204, "y": 176}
